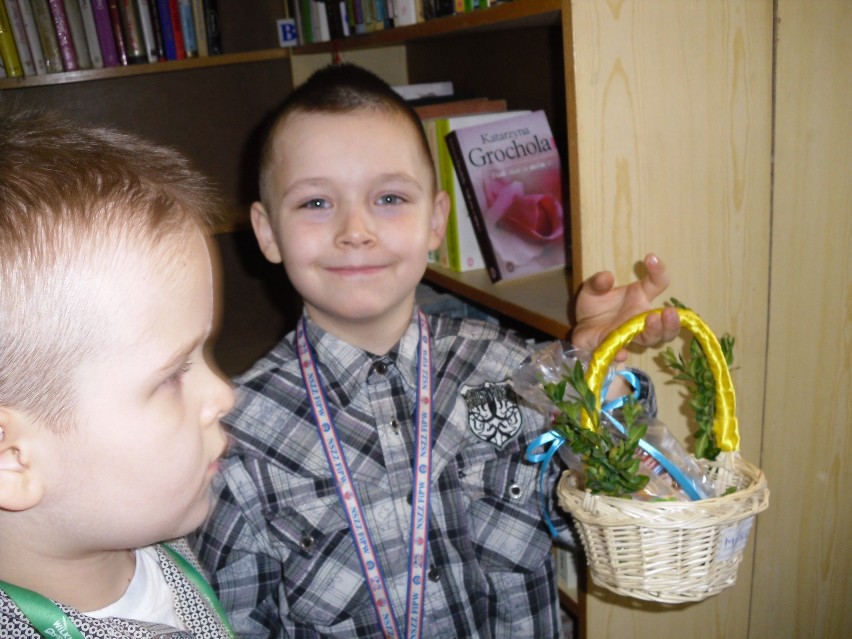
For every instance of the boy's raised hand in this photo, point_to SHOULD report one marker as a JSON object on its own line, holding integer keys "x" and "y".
{"x": 602, "y": 307}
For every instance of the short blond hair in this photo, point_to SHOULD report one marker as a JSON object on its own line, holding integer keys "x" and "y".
{"x": 69, "y": 195}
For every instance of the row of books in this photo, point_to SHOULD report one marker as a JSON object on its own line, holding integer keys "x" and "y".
{"x": 51, "y": 36}
{"x": 323, "y": 20}
{"x": 503, "y": 174}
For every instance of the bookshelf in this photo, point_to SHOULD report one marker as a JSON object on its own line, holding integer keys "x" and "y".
{"x": 168, "y": 66}
{"x": 663, "y": 113}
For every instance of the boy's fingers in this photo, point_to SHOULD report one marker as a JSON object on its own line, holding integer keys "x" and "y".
{"x": 660, "y": 327}
{"x": 670, "y": 323}
{"x": 601, "y": 282}
{"x": 657, "y": 279}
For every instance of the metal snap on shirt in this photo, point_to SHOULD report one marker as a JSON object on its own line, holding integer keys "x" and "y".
{"x": 394, "y": 424}
{"x": 515, "y": 491}
{"x": 380, "y": 367}
{"x": 434, "y": 574}
{"x": 307, "y": 542}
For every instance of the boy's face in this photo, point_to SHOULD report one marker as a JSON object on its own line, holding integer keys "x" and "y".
{"x": 138, "y": 465}
{"x": 354, "y": 215}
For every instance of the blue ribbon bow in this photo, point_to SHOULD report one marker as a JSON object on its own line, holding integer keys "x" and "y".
{"x": 553, "y": 440}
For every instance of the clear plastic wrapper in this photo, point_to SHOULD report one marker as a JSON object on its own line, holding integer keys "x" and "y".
{"x": 673, "y": 474}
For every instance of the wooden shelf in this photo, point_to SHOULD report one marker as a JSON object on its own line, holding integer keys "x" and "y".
{"x": 511, "y": 15}
{"x": 540, "y": 301}
{"x": 143, "y": 69}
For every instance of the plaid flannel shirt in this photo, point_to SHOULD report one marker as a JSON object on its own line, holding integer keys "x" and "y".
{"x": 278, "y": 546}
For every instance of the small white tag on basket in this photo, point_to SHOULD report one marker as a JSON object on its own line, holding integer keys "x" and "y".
{"x": 734, "y": 539}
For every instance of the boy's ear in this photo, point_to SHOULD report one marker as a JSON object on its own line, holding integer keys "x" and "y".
{"x": 264, "y": 233}
{"x": 21, "y": 487}
{"x": 440, "y": 213}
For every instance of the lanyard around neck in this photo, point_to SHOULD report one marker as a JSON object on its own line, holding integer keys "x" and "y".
{"x": 421, "y": 484}
{"x": 50, "y": 620}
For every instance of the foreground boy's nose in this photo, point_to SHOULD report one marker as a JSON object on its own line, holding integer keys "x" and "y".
{"x": 355, "y": 228}
{"x": 220, "y": 400}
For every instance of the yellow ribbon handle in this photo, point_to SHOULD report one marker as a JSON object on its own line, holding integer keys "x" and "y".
{"x": 725, "y": 422}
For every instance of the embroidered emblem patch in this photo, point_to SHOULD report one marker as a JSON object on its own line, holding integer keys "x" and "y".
{"x": 492, "y": 412}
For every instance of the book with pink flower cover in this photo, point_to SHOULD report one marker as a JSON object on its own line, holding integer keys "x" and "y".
{"x": 511, "y": 177}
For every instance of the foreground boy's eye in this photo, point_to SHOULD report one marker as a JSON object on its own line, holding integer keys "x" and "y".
{"x": 175, "y": 378}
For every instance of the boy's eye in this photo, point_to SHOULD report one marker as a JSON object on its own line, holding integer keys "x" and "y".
{"x": 175, "y": 378}
{"x": 391, "y": 198}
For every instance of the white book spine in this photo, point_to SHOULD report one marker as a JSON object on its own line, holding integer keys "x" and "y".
{"x": 91, "y": 33}
{"x": 19, "y": 34}
{"x": 78, "y": 33}
{"x": 147, "y": 30}
{"x": 405, "y": 12}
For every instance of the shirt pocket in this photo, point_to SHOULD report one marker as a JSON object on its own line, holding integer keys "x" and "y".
{"x": 322, "y": 582}
{"x": 501, "y": 497}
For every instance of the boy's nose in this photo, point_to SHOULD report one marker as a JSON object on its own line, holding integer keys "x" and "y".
{"x": 355, "y": 227}
{"x": 220, "y": 399}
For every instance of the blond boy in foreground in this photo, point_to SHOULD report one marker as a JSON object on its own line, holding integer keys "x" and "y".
{"x": 109, "y": 413}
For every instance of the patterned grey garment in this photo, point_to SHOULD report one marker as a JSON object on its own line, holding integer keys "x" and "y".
{"x": 192, "y": 609}
{"x": 278, "y": 545}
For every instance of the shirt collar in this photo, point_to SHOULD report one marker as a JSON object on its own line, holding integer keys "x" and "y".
{"x": 346, "y": 367}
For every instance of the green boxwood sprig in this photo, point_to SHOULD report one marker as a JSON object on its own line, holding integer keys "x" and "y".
{"x": 611, "y": 467}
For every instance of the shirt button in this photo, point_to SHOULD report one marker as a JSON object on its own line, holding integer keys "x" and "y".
{"x": 515, "y": 491}
{"x": 394, "y": 424}
{"x": 380, "y": 367}
{"x": 307, "y": 542}
{"x": 434, "y": 574}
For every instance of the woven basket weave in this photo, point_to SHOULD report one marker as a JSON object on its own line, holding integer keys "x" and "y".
{"x": 671, "y": 552}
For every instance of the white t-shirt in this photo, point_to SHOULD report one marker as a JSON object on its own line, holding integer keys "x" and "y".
{"x": 147, "y": 598}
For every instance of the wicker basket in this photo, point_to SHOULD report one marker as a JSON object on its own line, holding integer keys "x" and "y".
{"x": 671, "y": 552}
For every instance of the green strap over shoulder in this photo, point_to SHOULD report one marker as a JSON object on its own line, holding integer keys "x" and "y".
{"x": 44, "y": 615}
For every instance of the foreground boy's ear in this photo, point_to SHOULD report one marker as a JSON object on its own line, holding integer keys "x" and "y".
{"x": 264, "y": 233}
{"x": 20, "y": 487}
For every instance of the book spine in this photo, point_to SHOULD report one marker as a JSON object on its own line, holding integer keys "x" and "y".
{"x": 47, "y": 36}
{"x": 91, "y": 30}
{"x": 149, "y": 40}
{"x": 307, "y": 27}
{"x": 212, "y": 27}
{"x": 106, "y": 39}
{"x": 358, "y": 21}
{"x": 117, "y": 31}
{"x": 33, "y": 38}
{"x": 157, "y": 28}
{"x": 177, "y": 29}
{"x": 134, "y": 41}
{"x": 8, "y": 49}
{"x": 406, "y": 13}
{"x": 380, "y": 14}
{"x": 476, "y": 217}
{"x": 200, "y": 27}
{"x": 78, "y": 33}
{"x": 187, "y": 25}
{"x": 63, "y": 35}
{"x": 446, "y": 180}
{"x": 164, "y": 13}
{"x": 19, "y": 35}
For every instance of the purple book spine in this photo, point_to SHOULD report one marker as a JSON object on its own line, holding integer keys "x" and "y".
{"x": 104, "y": 27}
{"x": 63, "y": 35}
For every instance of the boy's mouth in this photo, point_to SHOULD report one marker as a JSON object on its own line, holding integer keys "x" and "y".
{"x": 356, "y": 269}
